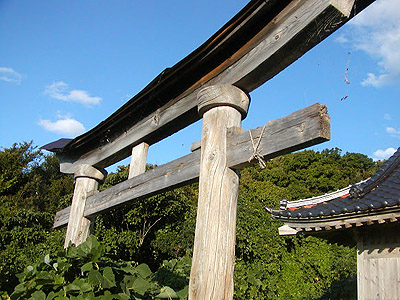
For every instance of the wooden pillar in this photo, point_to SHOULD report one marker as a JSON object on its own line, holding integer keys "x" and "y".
{"x": 378, "y": 263}
{"x": 87, "y": 180}
{"x": 211, "y": 275}
{"x": 138, "y": 160}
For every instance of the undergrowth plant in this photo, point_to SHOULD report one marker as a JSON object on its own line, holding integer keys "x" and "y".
{"x": 83, "y": 273}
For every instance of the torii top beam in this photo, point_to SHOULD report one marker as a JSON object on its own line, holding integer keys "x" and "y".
{"x": 261, "y": 40}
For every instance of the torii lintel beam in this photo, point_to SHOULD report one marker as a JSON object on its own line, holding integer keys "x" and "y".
{"x": 303, "y": 128}
{"x": 260, "y": 41}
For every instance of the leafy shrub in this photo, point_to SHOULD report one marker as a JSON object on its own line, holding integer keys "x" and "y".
{"x": 83, "y": 273}
{"x": 159, "y": 231}
{"x": 24, "y": 235}
{"x": 31, "y": 191}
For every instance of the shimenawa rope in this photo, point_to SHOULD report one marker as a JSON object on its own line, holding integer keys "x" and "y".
{"x": 256, "y": 151}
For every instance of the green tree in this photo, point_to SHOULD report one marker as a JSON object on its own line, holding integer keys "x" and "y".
{"x": 269, "y": 266}
{"x": 15, "y": 163}
{"x": 149, "y": 229}
{"x": 31, "y": 190}
{"x": 161, "y": 227}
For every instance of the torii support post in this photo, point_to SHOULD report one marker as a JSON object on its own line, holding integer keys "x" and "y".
{"x": 211, "y": 277}
{"x": 87, "y": 179}
{"x": 138, "y": 160}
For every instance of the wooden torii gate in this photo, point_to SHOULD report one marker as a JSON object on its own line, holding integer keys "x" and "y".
{"x": 211, "y": 83}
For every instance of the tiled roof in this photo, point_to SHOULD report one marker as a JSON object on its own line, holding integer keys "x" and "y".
{"x": 376, "y": 200}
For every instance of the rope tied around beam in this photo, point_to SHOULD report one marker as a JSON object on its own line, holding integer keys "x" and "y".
{"x": 256, "y": 151}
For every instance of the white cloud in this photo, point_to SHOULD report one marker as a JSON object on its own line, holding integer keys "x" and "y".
{"x": 393, "y": 132}
{"x": 384, "y": 154}
{"x": 10, "y": 75}
{"x": 376, "y": 31}
{"x": 378, "y": 81}
{"x": 65, "y": 126}
{"x": 60, "y": 90}
{"x": 341, "y": 39}
{"x": 387, "y": 117}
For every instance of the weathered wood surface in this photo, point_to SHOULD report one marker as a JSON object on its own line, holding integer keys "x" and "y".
{"x": 179, "y": 172}
{"x": 281, "y": 136}
{"x": 298, "y": 127}
{"x": 378, "y": 264}
{"x": 195, "y": 146}
{"x": 299, "y": 27}
{"x": 212, "y": 269}
{"x": 138, "y": 160}
{"x": 87, "y": 181}
{"x": 211, "y": 274}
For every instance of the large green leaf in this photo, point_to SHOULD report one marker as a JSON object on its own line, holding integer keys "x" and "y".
{"x": 141, "y": 286}
{"x": 183, "y": 293}
{"x": 108, "y": 278}
{"x": 87, "y": 267}
{"x": 92, "y": 248}
{"x": 58, "y": 279}
{"x": 19, "y": 290}
{"x": 128, "y": 268}
{"x": 107, "y": 296}
{"x": 127, "y": 283}
{"x": 51, "y": 295}
{"x": 95, "y": 278}
{"x": 72, "y": 288}
{"x": 72, "y": 252}
{"x": 167, "y": 293}
{"x": 122, "y": 296}
{"x": 83, "y": 285}
{"x": 143, "y": 270}
{"x": 38, "y": 295}
{"x": 44, "y": 277}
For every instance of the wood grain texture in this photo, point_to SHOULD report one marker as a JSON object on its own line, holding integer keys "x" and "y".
{"x": 176, "y": 173}
{"x": 299, "y": 27}
{"x": 150, "y": 129}
{"x": 378, "y": 263}
{"x": 138, "y": 160}
{"x": 195, "y": 146}
{"x": 79, "y": 227}
{"x": 303, "y": 128}
{"x": 171, "y": 175}
{"x": 211, "y": 274}
{"x": 222, "y": 95}
{"x": 296, "y": 131}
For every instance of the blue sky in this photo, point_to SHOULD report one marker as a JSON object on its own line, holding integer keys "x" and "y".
{"x": 67, "y": 65}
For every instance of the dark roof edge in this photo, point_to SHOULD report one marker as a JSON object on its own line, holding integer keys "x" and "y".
{"x": 356, "y": 190}
{"x": 381, "y": 216}
{"x": 359, "y": 190}
{"x": 56, "y": 145}
{"x": 168, "y": 83}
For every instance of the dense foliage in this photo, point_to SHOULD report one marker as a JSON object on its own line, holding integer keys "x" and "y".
{"x": 153, "y": 229}
{"x": 31, "y": 191}
{"x": 269, "y": 266}
{"x": 83, "y": 273}
{"x": 159, "y": 231}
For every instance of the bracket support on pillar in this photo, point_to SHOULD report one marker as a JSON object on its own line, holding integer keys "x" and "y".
{"x": 87, "y": 179}
{"x": 211, "y": 277}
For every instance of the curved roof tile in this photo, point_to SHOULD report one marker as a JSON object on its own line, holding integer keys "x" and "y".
{"x": 367, "y": 202}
